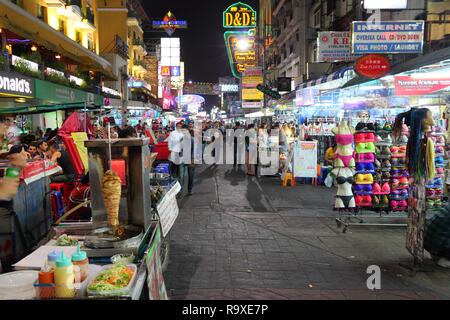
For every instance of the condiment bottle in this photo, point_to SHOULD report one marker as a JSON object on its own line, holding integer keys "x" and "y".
{"x": 12, "y": 172}
{"x": 46, "y": 280}
{"x": 52, "y": 257}
{"x": 64, "y": 277}
{"x": 80, "y": 259}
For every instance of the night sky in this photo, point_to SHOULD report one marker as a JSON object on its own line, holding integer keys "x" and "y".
{"x": 202, "y": 44}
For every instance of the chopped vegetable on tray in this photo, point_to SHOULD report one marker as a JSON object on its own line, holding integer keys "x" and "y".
{"x": 66, "y": 241}
{"x": 115, "y": 278}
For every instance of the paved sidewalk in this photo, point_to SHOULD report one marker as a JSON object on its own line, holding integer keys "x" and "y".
{"x": 240, "y": 237}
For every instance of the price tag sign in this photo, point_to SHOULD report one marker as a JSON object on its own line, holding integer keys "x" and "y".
{"x": 168, "y": 209}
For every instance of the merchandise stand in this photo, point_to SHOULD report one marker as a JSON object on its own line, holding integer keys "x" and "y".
{"x": 383, "y": 215}
{"x": 346, "y": 220}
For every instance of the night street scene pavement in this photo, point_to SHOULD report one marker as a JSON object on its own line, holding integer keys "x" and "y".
{"x": 219, "y": 158}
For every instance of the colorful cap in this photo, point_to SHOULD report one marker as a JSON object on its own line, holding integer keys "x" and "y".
{"x": 79, "y": 255}
{"x": 53, "y": 256}
{"x": 63, "y": 261}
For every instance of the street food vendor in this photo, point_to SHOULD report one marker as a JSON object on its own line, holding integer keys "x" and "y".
{"x": 9, "y": 186}
{"x": 62, "y": 158}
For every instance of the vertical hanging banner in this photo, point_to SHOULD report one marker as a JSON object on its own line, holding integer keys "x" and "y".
{"x": 241, "y": 43}
{"x": 251, "y": 96}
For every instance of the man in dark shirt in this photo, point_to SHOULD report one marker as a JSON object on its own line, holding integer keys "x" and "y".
{"x": 62, "y": 158}
{"x": 9, "y": 187}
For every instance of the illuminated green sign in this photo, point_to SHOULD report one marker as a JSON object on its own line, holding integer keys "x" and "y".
{"x": 242, "y": 50}
{"x": 239, "y": 15}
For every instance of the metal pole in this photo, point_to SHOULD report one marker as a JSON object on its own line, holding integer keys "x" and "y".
{"x": 85, "y": 120}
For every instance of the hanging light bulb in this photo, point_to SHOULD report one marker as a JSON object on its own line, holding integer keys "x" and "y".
{"x": 34, "y": 48}
{"x": 58, "y": 56}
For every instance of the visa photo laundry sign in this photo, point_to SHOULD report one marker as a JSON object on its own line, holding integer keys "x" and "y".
{"x": 387, "y": 37}
{"x": 334, "y": 46}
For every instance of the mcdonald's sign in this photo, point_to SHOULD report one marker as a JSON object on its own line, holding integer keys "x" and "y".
{"x": 165, "y": 71}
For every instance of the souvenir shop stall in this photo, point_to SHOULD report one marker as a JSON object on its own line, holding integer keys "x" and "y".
{"x": 119, "y": 253}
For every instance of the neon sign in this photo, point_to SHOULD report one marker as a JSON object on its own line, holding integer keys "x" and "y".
{"x": 239, "y": 15}
{"x": 169, "y": 23}
{"x": 241, "y": 49}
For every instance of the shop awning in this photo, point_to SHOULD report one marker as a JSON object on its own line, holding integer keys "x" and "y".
{"x": 19, "y": 21}
{"x": 409, "y": 65}
{"x": 340, "y": 74}
{"x": 45, "y": 108}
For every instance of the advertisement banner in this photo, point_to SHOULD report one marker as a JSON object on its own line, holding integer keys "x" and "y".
{"x": 252, "y": 104}
{"x": 15, "y": 84}
{"x": 334, "y": 46}
{"x": 155, "y": 278}
{"x": 387, "y": 37}
{"x": 419, "y": 85}
{"x": 252, "y": 94}
{"x": 385, "y": 4}
{"x": 305, "y": 159}
{"x": 251, "y": 78}
{"x": 79, "y": 138}
{"x": 56, "y": 93}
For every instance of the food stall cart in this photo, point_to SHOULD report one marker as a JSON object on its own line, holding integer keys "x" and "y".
{"x": 136, "y": 240}
{"x": 32, "y": 219}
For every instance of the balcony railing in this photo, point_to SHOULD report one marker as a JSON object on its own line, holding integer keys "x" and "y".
{"x": 139, "y": 63}
{"x": 18, "y": 3}
{"x": 74, "y": 3}
{"x": 89, "y": 16}
{"x": 56, "y": 3}
{"x": 139, "y": 42}
{"x": 41, "y": 71}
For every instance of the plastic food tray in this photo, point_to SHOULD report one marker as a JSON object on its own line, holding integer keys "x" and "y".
{"x": 116, "y": 293}
{"x": 18, "y": 285}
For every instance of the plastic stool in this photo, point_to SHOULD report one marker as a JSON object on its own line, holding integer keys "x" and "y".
{"x": 57, "y": 204}
{"x": 57, "y": 187}
{"x": 289, "y": 177}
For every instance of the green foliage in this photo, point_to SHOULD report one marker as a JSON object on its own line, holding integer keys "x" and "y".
{"x": 57, "y": 65}
{"x": 23, "y": 68}
{"x": 33, "y": 56}
{"x": 56, "y": 78}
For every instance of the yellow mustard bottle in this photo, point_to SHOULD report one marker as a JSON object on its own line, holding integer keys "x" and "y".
{"x": 64, "y": 277}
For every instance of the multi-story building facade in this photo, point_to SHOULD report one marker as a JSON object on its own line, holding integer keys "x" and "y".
{"x": 288, "y": 29}
{"x": 70, "y": 53}
{"x": 53, "y": 46}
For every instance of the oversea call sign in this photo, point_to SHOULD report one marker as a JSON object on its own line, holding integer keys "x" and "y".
{"x": 239, "y": 15}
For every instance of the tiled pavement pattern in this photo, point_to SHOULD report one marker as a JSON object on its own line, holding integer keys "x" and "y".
{"x": 239, "y": 237}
